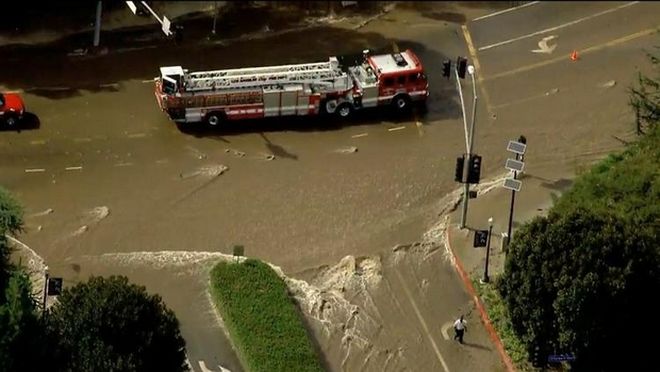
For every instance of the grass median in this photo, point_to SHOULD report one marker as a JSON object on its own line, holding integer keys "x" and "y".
{"x": 262, "y": 320}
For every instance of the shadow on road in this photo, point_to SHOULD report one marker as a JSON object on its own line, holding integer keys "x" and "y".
{"x": 278, "y": 150}
{"x": 30, "y": 122}
{"x": 477, "y": 346}
{"x": 48, "y": 71}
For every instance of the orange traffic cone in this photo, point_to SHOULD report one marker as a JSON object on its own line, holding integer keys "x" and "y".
{"x": 574, "y": 55}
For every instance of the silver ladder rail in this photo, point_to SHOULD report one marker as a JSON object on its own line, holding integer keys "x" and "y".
{"x": 259, "y": 76}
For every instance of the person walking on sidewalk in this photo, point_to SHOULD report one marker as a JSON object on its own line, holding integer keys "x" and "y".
{"x": 460, "y": 326}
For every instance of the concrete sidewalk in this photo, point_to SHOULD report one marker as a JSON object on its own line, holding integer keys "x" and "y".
{"x": 534, "y": 199}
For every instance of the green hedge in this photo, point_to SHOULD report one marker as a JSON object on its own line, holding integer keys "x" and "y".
{"x": 499, "y": 317}
{"x": 261, "y": 318}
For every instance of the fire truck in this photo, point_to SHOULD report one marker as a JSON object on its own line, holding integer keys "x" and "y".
{"x": 333, "y": 88}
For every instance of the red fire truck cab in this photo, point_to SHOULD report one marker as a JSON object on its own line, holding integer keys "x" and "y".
{"x": 395, "y": 80}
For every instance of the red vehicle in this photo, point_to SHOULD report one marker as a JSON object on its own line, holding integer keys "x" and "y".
{"x": 395, "y": 80}
{"x": 12, "y": 109}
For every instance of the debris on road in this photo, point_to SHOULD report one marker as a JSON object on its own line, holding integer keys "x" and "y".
{"x": 347, "y": 150}
{"x": 237, "y": 153}
{"x": 208, "y": 171}
{"x": 267, "y": 157}
{"x": 608, "y": 84}
{"x": 43, "y": 213}
{"x": 552, "y": 91}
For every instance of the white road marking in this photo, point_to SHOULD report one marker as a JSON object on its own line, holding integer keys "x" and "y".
{"x": 558, "y": 27}
{"x": 202, "y": 366}
{"x": 360, "y": 135}
{"x": 396, "y": 128}
{"x": 505, "y": 11}
{"x": 123, "y": 164}
{"x": 422, "y": 322}
{"x": 35, "y": 170}
{"x": 73, "y": 168}
{"x": 147, "y": 81}
{"x": 591, "y": 49}
{"x": 38, "y": 142}
{"x": 543, "y": 45}
{"x": 137, "y": 135}
{"x": 445, "y": 327}
{"x": 82, "y": 139}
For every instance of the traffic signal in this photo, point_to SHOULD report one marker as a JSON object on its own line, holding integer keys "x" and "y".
{"x": 446, "y": 68}
{"x": 474, "y": 169}
{"x": 458, "y": 175}
{"x": 461, "y": 66}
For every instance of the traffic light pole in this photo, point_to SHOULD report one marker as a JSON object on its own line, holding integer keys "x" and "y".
{"x": 97, "y": 26}
{"x": 486, "y": 279}
{"x": 513, "y": 200}
{"x": 466, "y": 190}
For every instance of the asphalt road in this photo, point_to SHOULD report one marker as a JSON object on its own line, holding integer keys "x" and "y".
{"x": 121, "y": 179}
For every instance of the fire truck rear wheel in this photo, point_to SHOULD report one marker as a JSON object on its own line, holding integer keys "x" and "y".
{"x": 401, "y": 103}
{"x": 214, "y": 119}
{"x": 344, "y": 110}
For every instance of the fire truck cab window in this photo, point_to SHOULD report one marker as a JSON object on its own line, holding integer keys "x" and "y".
{"x": 169, "y": 85}
{"x": 388, "y": 82}
{"x": 401, "y": 79}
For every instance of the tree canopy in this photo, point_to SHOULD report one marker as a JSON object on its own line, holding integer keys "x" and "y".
{"x": 582, "y": 280}
{"x": 579, "y": 283}
{"x": 108, "y": 324}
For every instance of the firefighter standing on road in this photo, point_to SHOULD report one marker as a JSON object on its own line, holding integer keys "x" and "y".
{"x": 460, "y": 326}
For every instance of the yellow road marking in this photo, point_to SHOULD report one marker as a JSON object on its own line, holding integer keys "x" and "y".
{"x": 565, "y": 58}
{"x": 477, "y": 66}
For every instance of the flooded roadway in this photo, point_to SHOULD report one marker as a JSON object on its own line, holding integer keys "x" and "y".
{"x": 329, "y": 191}
{"x": 107, "y": 180}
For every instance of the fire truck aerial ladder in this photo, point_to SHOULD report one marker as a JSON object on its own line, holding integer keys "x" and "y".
{"x": 296, "y": 89}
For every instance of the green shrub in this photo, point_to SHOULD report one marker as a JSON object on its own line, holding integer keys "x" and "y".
{"x": 261, "y": 318}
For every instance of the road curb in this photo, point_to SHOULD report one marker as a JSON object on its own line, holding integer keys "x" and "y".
{"x": 482, "y": 311}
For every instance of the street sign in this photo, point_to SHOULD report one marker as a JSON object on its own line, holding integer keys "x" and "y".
{"x": 511, "y": 184}
{"x": 516, "y": 147}
{"x": 54, "y": 286}
{"x": 472, "y": 194}
{"x": 480, "y": 238}
{"x": 514, "y": 165}
{"x": 560, "y": 358}
{"x": 166, "y": 26}
{"x": 132, "y": 6}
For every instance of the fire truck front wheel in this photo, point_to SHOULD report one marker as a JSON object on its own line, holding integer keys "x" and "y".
{"x": 214, "y": 119}
{"x": 401, "y": 103}
{"x": 344, "y": 110}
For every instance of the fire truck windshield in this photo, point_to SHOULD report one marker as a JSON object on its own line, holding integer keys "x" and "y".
{"x": 169, "y": 85}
